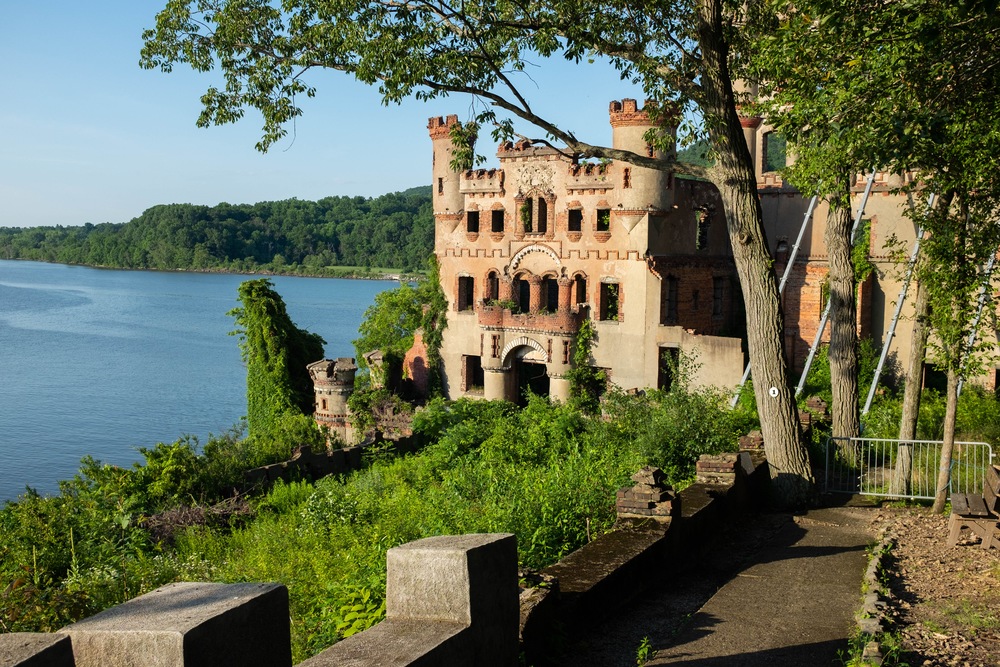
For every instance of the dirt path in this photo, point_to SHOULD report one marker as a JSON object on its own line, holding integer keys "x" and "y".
{"x": 947, "y": 600}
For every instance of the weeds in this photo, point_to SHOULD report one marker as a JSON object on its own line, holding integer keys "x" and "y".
{"x": 644, "y": 653}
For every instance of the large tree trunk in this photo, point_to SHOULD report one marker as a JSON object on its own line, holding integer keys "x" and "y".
{"x": 791, "y": 477}
{"x": 944, "y": 469}
{"x": 900, "y": 483}
{"x": 843, "y": 351}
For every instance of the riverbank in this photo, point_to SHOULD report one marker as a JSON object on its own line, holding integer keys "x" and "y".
{"x": 343, "y": 272}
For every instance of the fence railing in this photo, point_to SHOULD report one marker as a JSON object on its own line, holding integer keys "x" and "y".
{"x": 901, "y": 469}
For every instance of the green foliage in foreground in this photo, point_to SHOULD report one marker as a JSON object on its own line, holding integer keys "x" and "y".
{"x": 547, "y": 473}
{"x": 335, "y": 236}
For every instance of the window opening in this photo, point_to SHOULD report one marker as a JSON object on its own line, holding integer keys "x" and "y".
{"x": 523, "y": 291}
{"x": 550, "y": 294}
{"x": 492, "y": 286}
{"x": 718, "y": 296}
{"x": 466, "y": 291}
{"x": 543, "y": 216}
{"x": 526, "y": 210}
{"x": 626, "y": 178}
{"x": 603, "y": 220}
{"x": 701, "y": 238}
{"x": 774, "y": 157}
{"x": 474, "y": 377}
{"x": 668, "y": 300}
{"x": 575, "y": 220}
{"x": 497, "y": 222}
{"x": 609, "y": 301}
{"x": 472, "y": 222}
{"x": 581, "y": 289}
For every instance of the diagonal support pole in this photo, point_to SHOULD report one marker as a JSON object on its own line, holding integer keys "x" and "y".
{"x": 826, "y": 311}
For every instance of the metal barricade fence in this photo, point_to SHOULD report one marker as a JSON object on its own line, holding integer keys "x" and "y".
{"x": 901, "y": 469}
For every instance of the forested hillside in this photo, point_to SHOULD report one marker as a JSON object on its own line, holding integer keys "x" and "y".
{"x": 291, "y": 236}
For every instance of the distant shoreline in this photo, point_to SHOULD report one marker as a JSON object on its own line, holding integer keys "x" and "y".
{"x": 347, "y": 273}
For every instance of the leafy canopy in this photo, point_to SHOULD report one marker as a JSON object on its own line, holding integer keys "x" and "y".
{"x": 426, "y": 50}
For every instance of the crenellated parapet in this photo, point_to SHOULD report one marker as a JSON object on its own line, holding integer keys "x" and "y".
{"x": 482, "y": 181}
{"x": 439, "y": 127}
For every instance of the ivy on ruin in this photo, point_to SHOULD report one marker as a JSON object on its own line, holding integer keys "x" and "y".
{"x": 276, "y": 353}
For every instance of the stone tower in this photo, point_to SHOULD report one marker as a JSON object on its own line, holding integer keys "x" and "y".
{"x": 333, "y": 382}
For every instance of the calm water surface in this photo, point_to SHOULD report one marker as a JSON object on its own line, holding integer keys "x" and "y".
{"x": 100, "y": 362}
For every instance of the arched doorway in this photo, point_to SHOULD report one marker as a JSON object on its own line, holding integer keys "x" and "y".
{"x": 529, "y": 376}
{"x": 527, "y": 360}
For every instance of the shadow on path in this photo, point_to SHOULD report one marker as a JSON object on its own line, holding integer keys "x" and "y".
{"x": 771, "y": 590}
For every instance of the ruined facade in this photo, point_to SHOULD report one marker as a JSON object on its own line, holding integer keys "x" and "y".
{"x": 333, "y": 384}
{"x": 531, "y": 249}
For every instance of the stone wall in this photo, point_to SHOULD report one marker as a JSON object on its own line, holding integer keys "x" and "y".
{"x": 450, "y": 600}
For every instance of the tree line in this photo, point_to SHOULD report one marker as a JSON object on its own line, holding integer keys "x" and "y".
{"x": 394, "y": 231}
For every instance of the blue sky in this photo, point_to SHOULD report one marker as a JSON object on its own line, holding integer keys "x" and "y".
{"x": 91, "y": 137}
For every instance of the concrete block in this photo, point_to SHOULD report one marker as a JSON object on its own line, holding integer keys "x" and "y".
{"x": 189, "y": 625}
{"x": 469, "y": 579}
{"x": 35, "y": 649}
{"x": 451, "y": 601}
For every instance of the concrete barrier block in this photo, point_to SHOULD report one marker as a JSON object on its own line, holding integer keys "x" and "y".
{"x": 469, "y": 579}
{"x": 451, "y": 601}
{"x": 35, "y": 649}
{"x": 189, "y": 625}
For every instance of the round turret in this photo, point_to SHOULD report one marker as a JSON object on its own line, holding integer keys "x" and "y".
{"x": 646, "y": 187}
{"x": 448, "y": 198}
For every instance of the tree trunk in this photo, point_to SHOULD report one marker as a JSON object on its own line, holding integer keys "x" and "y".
{"x": 944, "y": 470}
{"x": 734, "y": 175}
{"x": 843, "y": 350}
{"x": 900, "y": 483}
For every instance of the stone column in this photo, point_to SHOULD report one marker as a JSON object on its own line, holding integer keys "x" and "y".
{"x": 559, "y": 389}
{"x": 750, "y": 125}
{"x": 189, "y": 625}
{"x": 535, "y": 293}
{"x": 565, "y": 294}
{"x": 495, "y": 384}
{"x": 506, "y": 289}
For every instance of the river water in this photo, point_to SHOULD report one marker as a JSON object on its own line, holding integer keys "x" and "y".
{"x": 99, "y": 362}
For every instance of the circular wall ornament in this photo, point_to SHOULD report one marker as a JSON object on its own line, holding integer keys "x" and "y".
{"x": 535, "y": 177}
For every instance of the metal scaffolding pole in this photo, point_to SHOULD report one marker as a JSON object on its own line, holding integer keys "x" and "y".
{"x": 781, "y": 285}
{"x": 895, "y": 317}
{"x": 826, "y": 311}
{"x": 983, "y": 291}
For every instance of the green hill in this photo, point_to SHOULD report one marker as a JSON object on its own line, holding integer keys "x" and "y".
{"x": 291, "y": 236}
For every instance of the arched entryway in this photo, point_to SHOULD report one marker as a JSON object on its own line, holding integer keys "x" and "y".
{"x": 529, "y": 376}
{"x": 527, "y": 361}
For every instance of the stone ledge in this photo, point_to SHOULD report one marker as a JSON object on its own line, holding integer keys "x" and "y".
{"x": 190, "y": 625}
{"x": 398, "y": 643}
{"x": 31, "y": 649}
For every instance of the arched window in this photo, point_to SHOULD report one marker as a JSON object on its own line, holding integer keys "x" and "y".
{"x": 492, "y": 286}
{"x": 580, "y": 285}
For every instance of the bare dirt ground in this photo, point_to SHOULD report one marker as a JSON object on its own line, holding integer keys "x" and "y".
{"x": 947, "y": 600}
